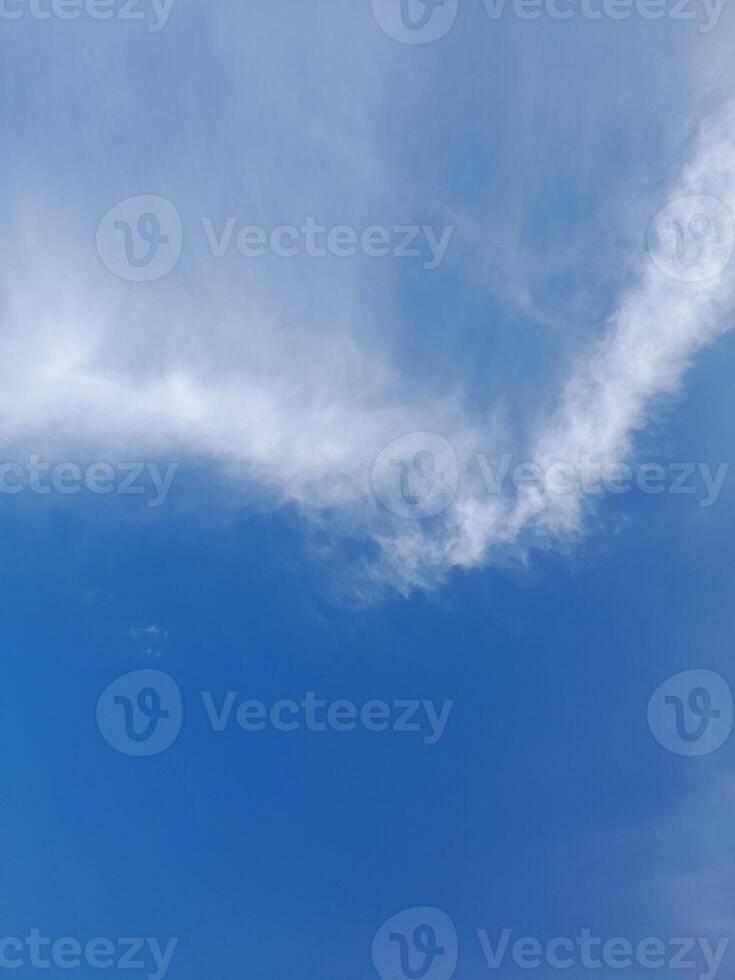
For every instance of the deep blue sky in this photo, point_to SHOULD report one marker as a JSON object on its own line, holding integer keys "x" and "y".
{"x": 281, "y": 854}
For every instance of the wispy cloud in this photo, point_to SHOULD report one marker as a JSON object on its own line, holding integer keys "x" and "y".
{"x": 305, "y": 426}
{"x": 289, "y": 377}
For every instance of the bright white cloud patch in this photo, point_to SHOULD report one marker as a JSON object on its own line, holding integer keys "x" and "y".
{"x": 658, "y": 327}
{"x": 684, "y": 298}
{"x": 301, "y": 416}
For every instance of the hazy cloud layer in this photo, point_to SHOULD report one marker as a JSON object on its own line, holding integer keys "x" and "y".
{"x": 292, "y": 377}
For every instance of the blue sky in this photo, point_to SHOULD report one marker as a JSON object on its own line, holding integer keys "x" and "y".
{"x": 284, "y": 397}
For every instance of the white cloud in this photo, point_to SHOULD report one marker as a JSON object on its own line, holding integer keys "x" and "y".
{"x": 287, "y": 375}
{"x": 660, "y": 324}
